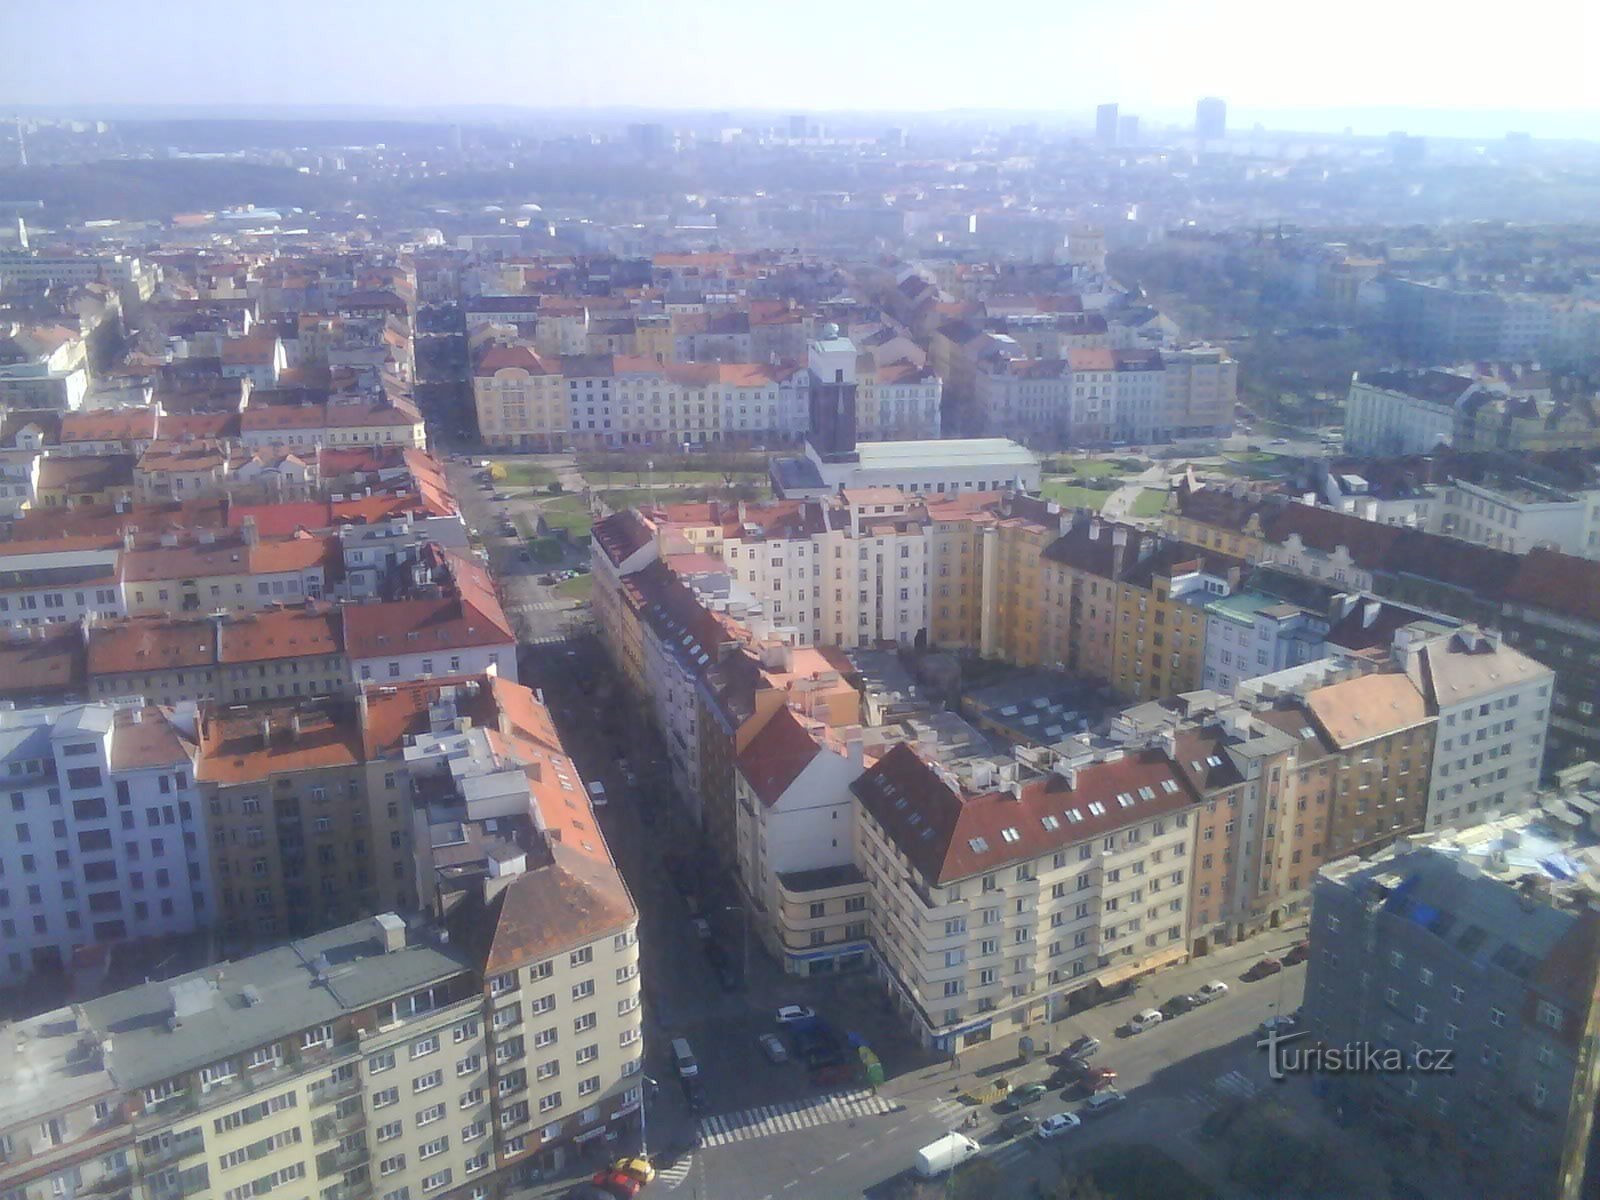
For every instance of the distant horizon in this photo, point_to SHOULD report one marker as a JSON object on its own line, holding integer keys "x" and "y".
{"x": 1041, "y": 59}
{"x": 1368, "y": 121}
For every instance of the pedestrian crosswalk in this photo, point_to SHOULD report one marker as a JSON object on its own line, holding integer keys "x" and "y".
{"x": 1235, "y": 1084}
{"x": 952, "y": 1112}
{"x": 668, "y": 1178}
{"x": 792, "y": 1115}
{"x": 533, "y": 606}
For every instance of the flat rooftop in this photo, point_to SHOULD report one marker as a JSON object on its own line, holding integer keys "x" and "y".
{"x": 951, "y": 452}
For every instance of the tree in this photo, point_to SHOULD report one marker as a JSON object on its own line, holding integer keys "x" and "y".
{"x": 979, "y": 1179}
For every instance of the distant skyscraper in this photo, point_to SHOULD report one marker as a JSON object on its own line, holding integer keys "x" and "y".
{"x": 1105, "y": 124}
{"x": 797, "y": 127}
{"x": 1211, "y": 119}
{"x": 648, "y": 137}
{"x": 1128, "y": 129}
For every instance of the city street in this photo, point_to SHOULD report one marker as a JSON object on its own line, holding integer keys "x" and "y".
{"x": 766, "y": 1131}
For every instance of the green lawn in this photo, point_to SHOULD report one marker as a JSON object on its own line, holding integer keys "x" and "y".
{"x": 579, "y": 587}
{"x": 567, "y": 512}
{"x": 526, "y": 474}
{"x": 1069, "y": 495}
{"x": 1148, "y": 503}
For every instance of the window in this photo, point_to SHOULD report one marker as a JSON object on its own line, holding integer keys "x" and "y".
{"x": 584, "y": 1023}
{"x": 320, "y": 1036}
{"x": 1497, "y": 1018}
{"x": 467, "y": 1065}
{"x": 423, "y": 1083}
{"x": 1549, "y": 1015}
{"x": 391, "y": 1165}
{"x": 434, "y": 1148}
{"x": 379, "y": 1063}
{"x": 434, "y": 1112}
{"x": 581, "y": 957}
{"x": 550, "y": 1103}
{"x": 424, "y": 1047}
{"x": 386, "y": 1097}
{"x": 464, "y": 1031}
{"x": 390, "y": 1131}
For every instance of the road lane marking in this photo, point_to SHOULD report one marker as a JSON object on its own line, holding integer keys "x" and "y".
{"x": 794, "y": 1114}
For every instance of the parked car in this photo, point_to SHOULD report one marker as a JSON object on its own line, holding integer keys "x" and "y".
{"x": 1028, "y": 1093}
{"x": 597, "y": 794}
{"x": 1278, "y": 1024}
{"x": 547, "y": 579}
{"x": 1083, "y": 1047}
{"x": 1279, "y": 442}
{"x": 1018, "y": 1125}
{"x": 702, "y": 928}
{"x": 1298, "y": 953}
{"x": 1267, "y": 966}
{"x": 1100, "y": 1103}
{"x": 791, "y": 1013}
{"x": 524, "y": 555}
{"x": 773, "y": 1048}
{"x": 1056, "y": 1124}
{"x": 638, "y": 1166}
{"x": 1147, "y": 1018}
{"x": 1211, "y": 991}
{"x": 1179, "y": 1004}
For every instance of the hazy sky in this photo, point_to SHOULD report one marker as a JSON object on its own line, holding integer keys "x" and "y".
{"x": 1063, "y": 55}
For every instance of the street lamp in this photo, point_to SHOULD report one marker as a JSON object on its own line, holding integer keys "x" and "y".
{"x": 650, "y": 1085}
{"x": 745, "y": 913}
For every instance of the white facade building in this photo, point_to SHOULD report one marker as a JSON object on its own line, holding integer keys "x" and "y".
{"x": 1390, "y": 413}
{"x": 105, "y": 836}
{"x": 1493, "y": 706}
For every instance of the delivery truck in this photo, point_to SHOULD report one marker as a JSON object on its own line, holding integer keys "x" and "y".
{"x": 946, "y": 1154}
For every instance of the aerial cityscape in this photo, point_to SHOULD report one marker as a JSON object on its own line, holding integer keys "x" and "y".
{"x": 743, "y": 605}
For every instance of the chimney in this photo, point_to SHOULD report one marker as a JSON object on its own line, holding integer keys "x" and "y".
{"x": 1169, "y": 744}
{"x": 252, "y": 536}
{"x": 294, "y": 728}
{"x": 853, "y": 749}
{"x": 127, "y": 539}
{"x": 742, "y": 511}
{"x": 266, "y": 732}
{"x": 1094, "y": 529}
{"x": 1119, "y": 546}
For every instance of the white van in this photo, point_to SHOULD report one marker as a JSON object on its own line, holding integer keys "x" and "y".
{"x": 946, "y": 1154}
{"x": 683, "y": 1058}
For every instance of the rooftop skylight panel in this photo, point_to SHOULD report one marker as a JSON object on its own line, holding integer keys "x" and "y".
{"x": 979, "y": 846}
{"x": 1011, "y": 835}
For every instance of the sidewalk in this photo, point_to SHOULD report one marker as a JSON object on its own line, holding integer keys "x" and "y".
{"x": 978, "y": 1063}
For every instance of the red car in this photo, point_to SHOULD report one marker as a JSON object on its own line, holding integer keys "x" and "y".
{"x": 619, "y": 1183}
{"x": 1298, "y": 953}
{"x": 1267, "y": 966}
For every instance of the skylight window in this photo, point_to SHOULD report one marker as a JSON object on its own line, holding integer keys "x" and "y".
{"x": 979, "y": 846}
{"x": 1169, "y": 785}
{"x": 1124, "y": 798}
{"x": 1096, "y": 809}
{"x": 1011, "y": 835}
{"x": 1049, "y": 822}
{"x": 900, "y": 802}
{"x": 1147, "y": 793}
{"x": 1213, "y": 761}
{"x": 1074, "y": 815}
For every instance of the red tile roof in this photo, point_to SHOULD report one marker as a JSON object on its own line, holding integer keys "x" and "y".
{"x": 154, "y": 643}
{"x": 948, "y": 834}
{"x": 1559, "y": 583}
{"x": 281, "y": 634}
{"x": 775, "y": 757}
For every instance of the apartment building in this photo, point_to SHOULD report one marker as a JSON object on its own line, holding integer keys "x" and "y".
{"x": 1384, "y": 733}
{"x": 1024, "y": 397}
{"x": 897, "y": 400}
{"x": 1403, "y": 412}
{"x": 963, "y": 559}
{"x": 1201, "y": 388}
{"x": 298, "y": 842}
{"x": 1003, "y": 896}
{"x": 1480, "y": 942}
{"x": 1492, "y": 706}
{"x": 1250, "y": 633}
{"x": 62, "y": 1127}
{"x": 508, "y": 851}
{"x": 167, "y": 660}
{"x": 282, "y": 653}
{"x": 447, "y": 621}
{"x": 209, "y": 570}
{"x": 795, "y": 837}
{"x": 106, "y": 838}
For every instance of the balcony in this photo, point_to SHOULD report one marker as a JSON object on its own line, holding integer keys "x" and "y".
{"x": 327, "y": 1128}
{"x": 341, "y": 1159}
{"x": 193, "y": 1142}
{"x": 327, "y": 1092}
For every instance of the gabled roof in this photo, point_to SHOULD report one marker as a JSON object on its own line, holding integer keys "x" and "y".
{"x": 280, "y": 634}
{"x": 777, "y": 755}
